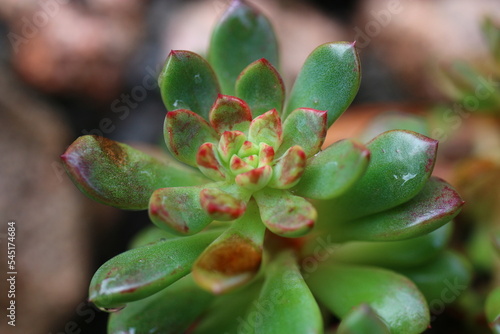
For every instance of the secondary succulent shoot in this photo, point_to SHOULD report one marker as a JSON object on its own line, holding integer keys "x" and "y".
{"x": 259, "y": 229}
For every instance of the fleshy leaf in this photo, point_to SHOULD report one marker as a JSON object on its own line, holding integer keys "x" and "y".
{"x": 266, "y": 128}
{"x": 170, "y": 311}
{"x": 392, "y": 296}
{"x": 229, "y": 113}
{"x": 208, "y": 163}
{"x": 261, "y": 86}
{"x": 108, "y": 172}
{"x": 304, "y": 127}
{"x": 333, "y": 171}
{"x": 255, "y": 179}
{"x": 143, "y": 271}
{"x": 185, "y": 132}
{"x": 242, "y": 36}
{"x": 400, "y": 164}
{"x": 230, "y": 143}
{"x": 394, "y": 254}
{"x": 361, "y": 320}
{"x": 178, "y": 210}
{"x": 289, "y": 168}
{"x": 234, "y": 258}
{"x": 285, "y": 214}
{"x": 443, "y": 279}
{"x": 188, "y": 82}
{"x": 434, "y": 206}
{"x": 288, "y": 303}
{"x": 221, "y": 205}
{"x": 329, "y": 80}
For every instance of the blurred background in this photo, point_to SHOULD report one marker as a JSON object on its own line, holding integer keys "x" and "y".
{"x": 75, "y": 67}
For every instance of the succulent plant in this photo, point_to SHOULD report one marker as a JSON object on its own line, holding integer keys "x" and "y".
{"x": 259, "y": 228}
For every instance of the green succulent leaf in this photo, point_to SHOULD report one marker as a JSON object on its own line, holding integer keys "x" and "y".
{"x": 434, "y": 206}
{"x": 493, "y": 310}
{"x": 170, "y": 311}
{"x": 442, "y": 280}
{"x": 143, "y": 271}
{"x": 229, "y": 113}
{"x": 178, "y": 210}
{"x": 285, "y": 303}
{"x": 329, "y": 80}
{"x": 185, "y": 132}
{"x": 394, "y": 254}
{"x": 267, "y": 129}
{"x": 222, "y": 205}
{"x": 285, "y": 214}
{"x": 304, "y": 127}
{"x": 395, "y": 120}
{"x": 288, "y": 169}
{"x": 188, "y": 82}
{"x": 400, "y": 164}
{"x": 392, "y": 296}
{"x": 334, "y": 170}
{"x": 361, "y": 320}
{"x": 208, "y": 162}
{"x": 108, "y": 172}
{"x": 235, "y": 257}
{"x": 242, "y": 36}
{"x": 261, "y": 86}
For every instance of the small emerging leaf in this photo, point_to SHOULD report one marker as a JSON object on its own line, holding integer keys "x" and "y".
{"x": 209, "y": 164}
{"x": 188, "y": 82}
{"x": 261, "y": 86}
{"x": 329, "y": 80}
{"x": 119, "y": 175}
{"x": 285, "y": 214}
{"x": 289, "y": 168}
{"x": 170, "y": 311}
{"x": 333, "y": 171}
{"x": 235, "y": 257}
{"x": 266, "y": 128}
{"x": 254, "y": 179}
{"x": 229, "y": 113}
{"x": 242, "y": 36}
{"x": 143, "y": 271}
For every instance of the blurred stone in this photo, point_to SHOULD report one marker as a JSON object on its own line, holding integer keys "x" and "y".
{"x": 54, "y": 221}
{"x": 68, "y": 48}
{"x": 414, "y": 37}
{"x": 300, "y": 29}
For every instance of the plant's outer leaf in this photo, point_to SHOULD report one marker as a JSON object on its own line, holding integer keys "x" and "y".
{"x": 304, "y": 127}
{"x": 362, "y": 320}
{"x": 143, "y": 271}
{"x": 288, "y": 169}
{"x": 188, "y": 82}
{"x": 333, "y": 171}
{"x": 178, "y": 210}
{"x": 329, "y": 80}
{"x": 235, "y": 257}
{"x": 400, "y": 164}
{"x": 437, "y": 204}
{"x": 285, "y": 214}
{"x": 493, "y": 310}
{"x": 227, "y": 313}
{"x": 118, "y": 175}
{"x": 170, "y": 311}
{"x": 149, "y": 235}
{"x": 261, "y": 86}
{"x": 242, "y": 36}
{"x": 285, "y": 303}
{"x": 395, "y": 120}
{"x": 392, "y": 296}
{"x": 230, "y": 113}
{"x": 442, "y": 280}
{"x": 266, "y": 128}
{"x": 393, "y": 254}
{"x": 208, "y": 162}
{"x": 185, "y": 132}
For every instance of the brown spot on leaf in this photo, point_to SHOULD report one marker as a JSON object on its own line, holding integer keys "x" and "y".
{"x": 112, "y": 150}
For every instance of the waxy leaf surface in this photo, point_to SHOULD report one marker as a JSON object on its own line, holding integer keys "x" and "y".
{"x": 242, "y": 36}
{"x": 188, "y": 82}
{"x": 362, "y": 320}
{"x": 328, "y": 81}
{"x": 261, "y": 86}
{"x": 143, "y": 271}
{"x": 229, "y": 113}
{"x": 108, "y": 172}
